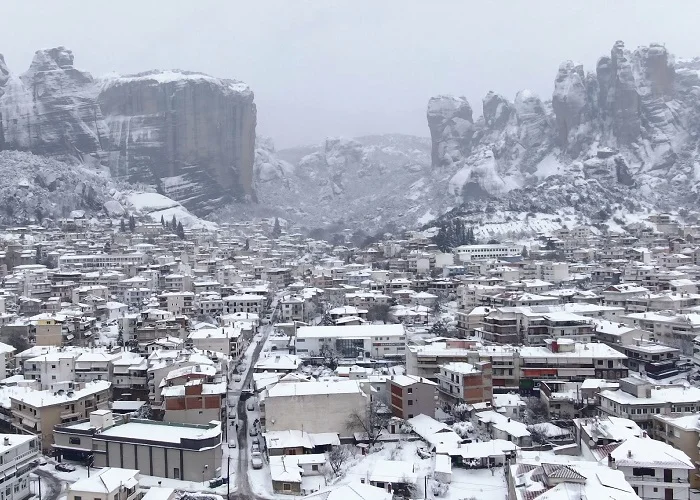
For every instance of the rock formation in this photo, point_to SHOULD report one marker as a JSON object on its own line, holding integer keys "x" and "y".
{"x": 190, "y": 135}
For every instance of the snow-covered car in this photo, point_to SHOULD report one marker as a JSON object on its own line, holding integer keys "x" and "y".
{"x": 252, "y": 431}
{"x": 255, "y": 447}
{"x": 61, "y": 467}
{"x": 256, "y": 461}
{"x": 231, "y": 443}
{"x": 236, "y": 378}
{"x": 250, "y": 406}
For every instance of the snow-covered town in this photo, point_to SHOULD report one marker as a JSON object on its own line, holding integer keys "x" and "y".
{"x": 249, "y": 361}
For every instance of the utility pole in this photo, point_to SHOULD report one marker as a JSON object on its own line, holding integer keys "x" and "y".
{"x": 39, "y": 478}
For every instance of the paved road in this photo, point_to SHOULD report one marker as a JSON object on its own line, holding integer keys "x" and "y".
{"x": 244, "y": 491}
{"x": 51, "y": 486}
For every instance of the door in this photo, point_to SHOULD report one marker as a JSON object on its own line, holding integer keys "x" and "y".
{"x": 668, "y": 494}
{"x": 668, "y": 476}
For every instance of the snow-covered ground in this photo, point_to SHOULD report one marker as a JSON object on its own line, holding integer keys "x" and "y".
{"x": 156, "y": 205}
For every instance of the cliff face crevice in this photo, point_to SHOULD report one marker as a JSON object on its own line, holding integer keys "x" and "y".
{"x": 189, "y": 134}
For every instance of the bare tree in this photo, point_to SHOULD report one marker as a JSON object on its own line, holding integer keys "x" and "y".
{"x": 372, "y": 420}
{"x": 337, "y": 457}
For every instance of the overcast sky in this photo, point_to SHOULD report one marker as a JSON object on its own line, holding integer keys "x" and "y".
{"x": 329, "y": 68}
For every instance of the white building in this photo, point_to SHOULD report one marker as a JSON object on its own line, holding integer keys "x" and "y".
{"x": 481, "y": 252}
{"x": 351, "y": 341}
{"x": 19, "y": 454}
{"x": 110, "y": 483}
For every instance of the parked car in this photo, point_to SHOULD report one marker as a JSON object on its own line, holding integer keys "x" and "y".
{"x": 255, "y": 447}
{"x": 236, "y": 378}
{"x": 63, "y": 467}
{"x": 250, "y": 406}
{"x": 231, "y": 443}
{"x": 253, "y": 431}
{"x": 256, "y": 461}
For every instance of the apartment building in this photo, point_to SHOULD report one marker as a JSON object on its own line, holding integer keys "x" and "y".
{"x": 19, "y": 455}
{"x": 37, "y": 412}
{"x": 460, "y": 382}
{"x": 639, "y": 400}
{"x": 187, "y": 452}
{"x": 101, "y": 261}
{"x": 314, "y": 407}
{"x": 229, "y": 340}
{"x": 410, "y": 396}
{"x": 244, "y": 303}
{"x": 178, "y": 303}
{"x": 670, "y": 328}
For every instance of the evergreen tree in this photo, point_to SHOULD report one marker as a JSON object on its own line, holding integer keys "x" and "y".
{"x": 525, "y": 253}
{"x": 162, "y": 221}
{"x": 276, "y": 230}
{"x": 180, "y": 231}
{"x": 122, "y": 226}
{"x": 132, "y": 223}
{"x": 173, "y": 224}
{"x": 247, "y": 244}
{"x": 37, "y": 257}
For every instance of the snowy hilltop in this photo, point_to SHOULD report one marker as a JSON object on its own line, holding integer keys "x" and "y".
{"x": 141, "y": 128}
{"x": 37, "y": 189}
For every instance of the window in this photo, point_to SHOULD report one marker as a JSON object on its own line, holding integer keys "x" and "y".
{"x": 314, "y": 467}
{"x": 410, "y": 390}
{"x": 287, "y": 487}
{"x": 642, "y": 471}
{"x": 410, "y": 402}
{"x": 74, "y": 440}
{"x": 176, "y": 473}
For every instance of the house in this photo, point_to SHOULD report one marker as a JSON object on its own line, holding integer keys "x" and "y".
{"x": 681, "y": 432}
{"x": 655, "y": 470}
{"x": 295, "y": 442}
{"x": 410, "y": 395}
{"x": 277, "y": 363}
{"x": 351, "y": 491}
{"x": 188, "y": 452}
{"x": 505, "y": 428}
{"x": 194, "y": 401}
{"x": 110, "y": 483}
{"x": 297, "y": 474}
{"x": 510, "y": 405}
{"x": 531, "y": 480}
{"x": 394, "y": 476}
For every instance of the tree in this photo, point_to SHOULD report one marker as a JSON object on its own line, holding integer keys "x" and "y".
{"x": 18, "y": 341}
{"x": 37, "y": 255}
{"x": 173, "y": 223}
{"x": 439, "y": 329}
{"x": 525, "y": 253}
{"x": 371, "y": 420}
{"x": 330, "y": 356}
{"x": 337, "y": 457}
{"x": 247, "y": 244}
{"x": 276, "y": 229}
{"x": 145, "y": 411}
{"x": 132, "y": 223}
{"x": 378, "y": 312}
{"x": 180, "y": 231}
{"x": 122, "y": 226}
{"x": 536, "y": 411}
{"x": 162, "y": 220}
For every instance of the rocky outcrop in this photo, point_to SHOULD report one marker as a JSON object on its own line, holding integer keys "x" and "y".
{"x": 639, "y": 106}
{"x": 49, "y": 109}
{"x": 451, "y": 128}
{"x": 190, "y": 135}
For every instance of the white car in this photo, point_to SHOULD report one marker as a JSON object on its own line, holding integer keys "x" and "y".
{"x": 250, "y": 406}
{"x": 236, "y": 378}
{"x": 232, "y": 443}
{"x": 256, "y": 461}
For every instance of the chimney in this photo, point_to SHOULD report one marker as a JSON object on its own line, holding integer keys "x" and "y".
{"x": 6, "y": 441}
{"x": 629, "y": 453}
